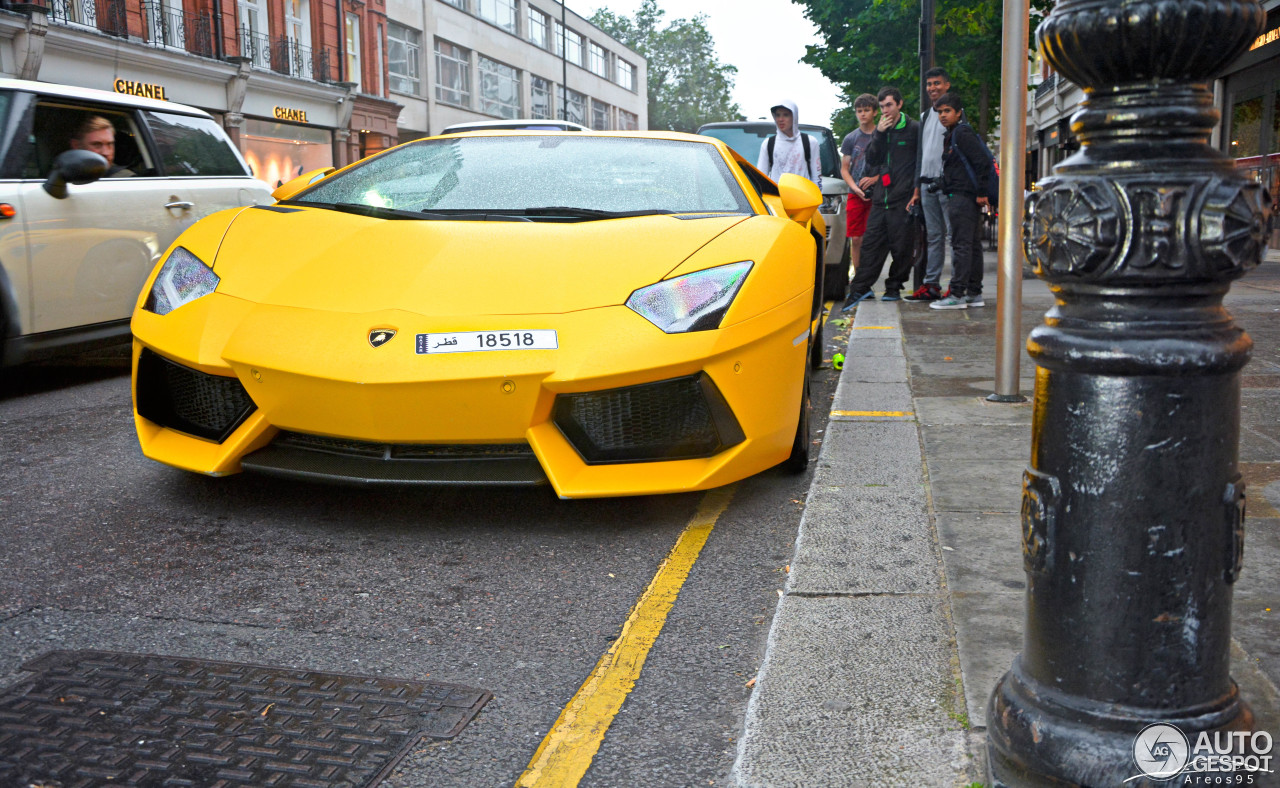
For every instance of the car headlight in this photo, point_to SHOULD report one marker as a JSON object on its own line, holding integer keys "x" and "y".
{"x": 831, "y": 203}
{"x": 693, "y": 302}
{"x": 183, "y": 278}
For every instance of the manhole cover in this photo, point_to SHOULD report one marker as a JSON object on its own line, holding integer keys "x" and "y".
{"x": 93, "y": 718}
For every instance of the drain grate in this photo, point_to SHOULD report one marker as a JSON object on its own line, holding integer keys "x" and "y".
{"x": 92, "y": 718}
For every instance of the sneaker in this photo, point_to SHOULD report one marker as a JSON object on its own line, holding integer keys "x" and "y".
{"x": 891, "y": 295}
{"x": 924, "y": 293}
{"x": 853, "y": 300}
{"x": 975, "y": 300}
{"x": 950, "y": 302}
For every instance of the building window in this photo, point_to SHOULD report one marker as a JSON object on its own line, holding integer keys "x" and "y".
{"x": 540, "y": 98}
{"x": 457, "y": 3}
{"x": 499, "y": 88}
{"x": 254, "y": 43}
{"x": 353, "y": 49}
{"x": 404, "y": 50}
{"x": 626, "y": 75}
{"x": 599, "y": 63}
{"x": 500, "y": 12}
{"x": 453, "y": 74}
{"x": 628, "y": 121}
{"x": 575, "y": 106}
{"x": 538, "y": 24}
{"x": 573, "y": 40}
{"x": 599, "y": 116}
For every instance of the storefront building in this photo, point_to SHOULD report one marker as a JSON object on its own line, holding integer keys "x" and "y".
{"x": 1247, "y": 94}
{"x": 456, "y": 61}
{"x": 297, "y": 84}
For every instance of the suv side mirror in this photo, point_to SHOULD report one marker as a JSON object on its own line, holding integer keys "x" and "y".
{"x": 800, "y": 196}
{"x": 289, "y": 188}
{"x": 74, "y": 166}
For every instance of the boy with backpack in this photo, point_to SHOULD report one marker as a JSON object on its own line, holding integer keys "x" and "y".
{"x": 789, "y": 150}
{"x": 966, "y": 180}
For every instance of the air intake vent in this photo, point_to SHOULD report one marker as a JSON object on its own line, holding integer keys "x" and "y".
{"x": 675, "y": 419}
{"x": 190, "y": 401}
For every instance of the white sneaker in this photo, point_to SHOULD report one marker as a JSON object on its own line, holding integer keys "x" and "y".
{"x": 950, "y": 302}
{"x": 975, "y": 300}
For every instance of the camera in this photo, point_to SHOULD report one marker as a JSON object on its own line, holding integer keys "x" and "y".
{"x": 933, "y": 187}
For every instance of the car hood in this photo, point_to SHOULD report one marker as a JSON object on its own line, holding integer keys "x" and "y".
{"x": 321, "y": 259}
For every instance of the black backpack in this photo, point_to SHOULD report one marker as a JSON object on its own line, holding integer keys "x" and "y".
{"x": 804, "y": 140}
{"x": 988, "y": 165}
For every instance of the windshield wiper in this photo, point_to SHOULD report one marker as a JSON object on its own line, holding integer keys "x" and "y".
{"x": 372, "y": 211}
{"x": 588, "y": 213}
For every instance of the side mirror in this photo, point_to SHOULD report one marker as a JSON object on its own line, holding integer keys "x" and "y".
{"x": 289, "y": 188}
{"x": 74, "y": 166}
{"x": 800, "y": 196}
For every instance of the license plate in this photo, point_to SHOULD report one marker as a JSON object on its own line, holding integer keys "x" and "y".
{"x": 478, "y": 341}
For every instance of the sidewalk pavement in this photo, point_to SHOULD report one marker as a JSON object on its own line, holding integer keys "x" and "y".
{"x": 905, "y": 598}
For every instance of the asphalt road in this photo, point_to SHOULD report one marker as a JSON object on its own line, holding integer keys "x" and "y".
{"x": 510, "y": 591}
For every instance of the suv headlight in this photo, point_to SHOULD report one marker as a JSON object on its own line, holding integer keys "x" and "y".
{"x": 831, "y": 203}
{"x": 693, "y": 302}
{"x": 183, "y": 278}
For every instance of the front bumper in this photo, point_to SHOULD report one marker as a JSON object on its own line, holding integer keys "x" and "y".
{"x": 314, "y": 374}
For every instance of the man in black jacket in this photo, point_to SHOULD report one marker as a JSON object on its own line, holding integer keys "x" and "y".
{"x": 964, "y": 181}
{"x": 891, "y": 159}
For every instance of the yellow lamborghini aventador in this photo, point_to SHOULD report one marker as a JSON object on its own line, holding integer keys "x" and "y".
{"x": 614, "y": 313}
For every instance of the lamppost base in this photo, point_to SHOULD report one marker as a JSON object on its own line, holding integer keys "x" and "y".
{"x": 1038, "y": 737}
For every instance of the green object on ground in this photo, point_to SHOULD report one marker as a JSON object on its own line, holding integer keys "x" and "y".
{"x": 837, "y": 361}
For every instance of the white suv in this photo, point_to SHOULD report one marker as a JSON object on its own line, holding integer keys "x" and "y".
{"x": 746, "y": 137}
{"x": 75, "y": 247}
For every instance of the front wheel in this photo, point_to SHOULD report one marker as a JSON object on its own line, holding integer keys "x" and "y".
{"x": 798, "y": 462}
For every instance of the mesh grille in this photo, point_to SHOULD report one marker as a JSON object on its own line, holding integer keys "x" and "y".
{"x": 400, "y": 451}
{"x": 190, "y": 401}
{"x": 671, "y": 419}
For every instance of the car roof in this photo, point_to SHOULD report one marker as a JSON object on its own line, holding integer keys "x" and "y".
{"x": 531, "y": 124}
{"x": 755, "y": 125}
{"x": 106, "y": 96}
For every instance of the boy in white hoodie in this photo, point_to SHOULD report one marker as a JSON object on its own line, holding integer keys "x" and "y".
{"x": 789, "y": 150}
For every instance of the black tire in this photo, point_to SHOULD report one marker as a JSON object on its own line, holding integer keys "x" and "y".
{"x": 836, "y": 280}
{"x": 815, "y": 344}
{"x": 798, "y": 462}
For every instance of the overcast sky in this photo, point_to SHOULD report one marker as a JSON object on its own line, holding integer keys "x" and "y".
{"x": 765, "y": 39}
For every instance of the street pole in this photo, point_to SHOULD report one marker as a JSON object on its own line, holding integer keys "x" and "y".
{"x": 1133, "y": 505}
{"x": 926, "y": 48}
{"x": 564, "y": 61}
{"x": 1013, "y": 147}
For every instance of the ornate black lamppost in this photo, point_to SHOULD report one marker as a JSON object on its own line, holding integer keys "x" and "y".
{"x": 1133, "y": 508}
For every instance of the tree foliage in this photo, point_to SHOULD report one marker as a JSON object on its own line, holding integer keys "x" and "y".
{"x": 687, "y": 85}
{"x": 867, "y": 44}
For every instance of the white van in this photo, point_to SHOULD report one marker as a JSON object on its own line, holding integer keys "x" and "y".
{"x": 75, "y": 247}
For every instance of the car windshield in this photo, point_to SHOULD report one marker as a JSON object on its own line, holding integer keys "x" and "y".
{"x": 565, "y": 175}
{"x": 747, "y": 139}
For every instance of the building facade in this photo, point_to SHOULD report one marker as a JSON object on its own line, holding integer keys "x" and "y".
{"x": 454, "y": 61}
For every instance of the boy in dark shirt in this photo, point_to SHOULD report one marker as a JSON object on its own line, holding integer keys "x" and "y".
{"x": 891, "y": 159}
{"x": 964, "y": 181}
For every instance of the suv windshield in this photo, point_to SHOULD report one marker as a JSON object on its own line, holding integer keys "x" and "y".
{"x": 747, "y": 138}
{"x": 539, "y": 175}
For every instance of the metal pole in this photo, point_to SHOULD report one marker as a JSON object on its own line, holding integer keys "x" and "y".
{"x": 926, "y": 48}
{"x": 1013, "y": 148}
{"x": 1133, "y": 504}
{"x": 564, "y": 62}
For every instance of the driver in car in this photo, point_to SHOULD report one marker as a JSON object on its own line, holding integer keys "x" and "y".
{"x": 96, "y": 134}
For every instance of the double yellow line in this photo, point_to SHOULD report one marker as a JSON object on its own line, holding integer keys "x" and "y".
{"x": 566, "y": 753}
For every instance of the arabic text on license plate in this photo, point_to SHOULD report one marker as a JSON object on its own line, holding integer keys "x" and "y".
{"x": 475, "y": 341}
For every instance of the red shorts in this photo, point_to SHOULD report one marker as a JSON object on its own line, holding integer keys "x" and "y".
{"x": 856, "y": 216}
